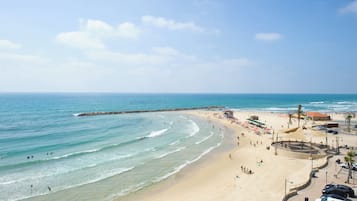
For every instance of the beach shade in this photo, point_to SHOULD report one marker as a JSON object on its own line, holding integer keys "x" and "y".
{"x": 296, "y": 135}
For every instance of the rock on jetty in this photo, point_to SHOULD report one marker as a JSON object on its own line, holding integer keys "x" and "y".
{"x": 143, "y": 111}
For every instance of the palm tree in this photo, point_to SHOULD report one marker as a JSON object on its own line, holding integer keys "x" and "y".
{"x": 349, "y": 160}
{"x": 299, "y": 111}
{"x": 290, "y": 115}
{"x": 348, "y": 120}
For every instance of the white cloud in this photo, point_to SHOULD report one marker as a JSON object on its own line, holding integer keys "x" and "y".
{"x": 170, "y": 24}
{"x": 350, "y": 8}
{"x": 93, "y": 32}
{"x": 128, "y": 30}
{"x": 96, "y": 26}
{"x": 166, "y": 51}
{"x": 6, "y": 44}
{"x": 240, "y": 62}
{"x": 268, "y": 36}
{"x": 157, "y": 56}
{"x": 21, "y": 58}
{"x": 80, "y": 40}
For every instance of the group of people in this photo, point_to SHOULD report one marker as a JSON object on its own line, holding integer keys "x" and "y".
{"x": 246, "y": 170}
{"x": 31, "y": 156}
{"x": 257, "y": 143}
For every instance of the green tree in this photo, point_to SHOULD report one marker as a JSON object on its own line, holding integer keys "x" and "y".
{"x": 349, "y": 160}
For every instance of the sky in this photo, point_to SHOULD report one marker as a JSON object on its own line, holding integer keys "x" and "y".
{"x": 182, "y": 46}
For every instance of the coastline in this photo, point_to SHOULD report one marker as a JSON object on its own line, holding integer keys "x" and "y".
{"x": 218, "y": 177}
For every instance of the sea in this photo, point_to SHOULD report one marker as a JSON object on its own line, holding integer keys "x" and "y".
{"x": 48, "y": 152}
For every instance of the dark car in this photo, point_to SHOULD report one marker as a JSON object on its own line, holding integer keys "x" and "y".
{"x": 324, "y": 197}
{"x": 350, "y": 191}
{"x": 338, "y": 189}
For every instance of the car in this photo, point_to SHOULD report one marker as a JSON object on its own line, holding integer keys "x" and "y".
{"x": 328, "y": 199}
{"x": 335, "y": 132}
{"x": 344, "y": 165}
{"x": 338, "y": 189}
{"x": 336, "y": 197}
{"x": 350, "y": 191}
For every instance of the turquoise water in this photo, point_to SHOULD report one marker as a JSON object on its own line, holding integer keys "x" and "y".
{"x": 44, "y": 145}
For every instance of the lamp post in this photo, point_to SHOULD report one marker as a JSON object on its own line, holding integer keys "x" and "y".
{"x": 338, "y": 145}
{"x": 326, "y": 138}
{"x": 326, "y": 177}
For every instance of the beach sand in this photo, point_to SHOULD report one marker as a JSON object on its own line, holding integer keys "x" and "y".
{"x": 219, "y": 177}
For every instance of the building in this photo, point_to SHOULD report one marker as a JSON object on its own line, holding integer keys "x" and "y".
{"x": 317, "y": 116}
{"x": 228, "y": 114}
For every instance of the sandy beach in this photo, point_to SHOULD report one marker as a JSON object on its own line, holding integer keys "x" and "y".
{"x": 224, "y": 176}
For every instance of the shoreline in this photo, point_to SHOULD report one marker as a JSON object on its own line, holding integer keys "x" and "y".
{"x": 159, "y": 187}
{"x": 218, "y": 176}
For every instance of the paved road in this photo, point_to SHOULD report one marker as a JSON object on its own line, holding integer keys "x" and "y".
{"x": 335, "y": 174}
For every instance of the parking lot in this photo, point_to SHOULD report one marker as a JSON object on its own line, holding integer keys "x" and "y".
{"x": 333, "y": 173}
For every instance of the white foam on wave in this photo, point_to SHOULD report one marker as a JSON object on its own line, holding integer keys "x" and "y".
{"x": 171, "y": 152}
{"x": 104, "y": 175}
{"x": 316, "y": 102}
{"x": 74, "y": 153}
{"x": 183, "y": 117}
{"x": 126, "y": 191}
{"x": 175, "y": 142}
{"x": 343, "y": 102}
{"x": 16, "y": 177}
{"x": 157, "y": 133}
{"x": 195, "y": 128}
{"x": 205, "y": 138}
{"x": 177, "y": 169}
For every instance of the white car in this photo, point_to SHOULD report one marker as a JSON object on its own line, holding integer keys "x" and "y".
{"x": 344, "y": 165}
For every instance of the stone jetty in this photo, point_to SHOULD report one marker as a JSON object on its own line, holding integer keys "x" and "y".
{"x": 144, "y": 111}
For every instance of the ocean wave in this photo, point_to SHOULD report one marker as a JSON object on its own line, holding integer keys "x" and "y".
{"x": 343, "y": 102}
{"x": 204, "y": 153}
{"x": 183, "y": 117}
{"x": 170, "y": 152}
{"x": 126, "y": 191}
{"x": 10, "y": 179}
{"x": 194, "y": 129}
{"x": 180, "y": 167}
{"x": 157, "y": 133}
{"x": 103, "y": 175}
{"x": 316, "y": 102}
{"x": 175, "y": 142}
{"x": 70, "y": 155}
{"x": 205, "y": 138}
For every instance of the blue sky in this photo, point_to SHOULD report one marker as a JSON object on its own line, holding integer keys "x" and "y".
{"x": 201, "y": 46}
